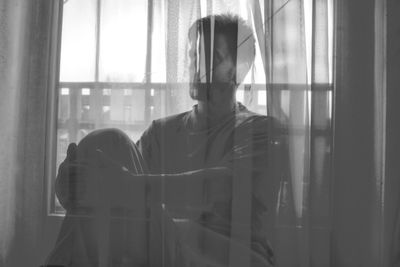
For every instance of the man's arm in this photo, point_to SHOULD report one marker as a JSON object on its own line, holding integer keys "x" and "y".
{"x": 195, "y": 189}
{"x": 76, "y": 185}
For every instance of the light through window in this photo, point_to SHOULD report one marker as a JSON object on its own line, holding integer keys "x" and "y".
{"x": 113, "y": 70}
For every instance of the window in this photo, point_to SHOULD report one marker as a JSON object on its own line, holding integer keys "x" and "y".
{"x": 113, "y": 72}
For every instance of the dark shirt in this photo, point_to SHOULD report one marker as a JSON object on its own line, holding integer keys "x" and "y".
{"x": 175, "y": 144}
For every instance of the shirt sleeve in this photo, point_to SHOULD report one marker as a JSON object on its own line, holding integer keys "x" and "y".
{"x": 148, "y": 145}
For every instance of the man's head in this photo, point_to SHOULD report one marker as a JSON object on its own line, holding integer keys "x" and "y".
{"x": 221, "y": 53}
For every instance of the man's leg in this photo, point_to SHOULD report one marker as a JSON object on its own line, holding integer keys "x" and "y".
{"x": 119, "y": 233}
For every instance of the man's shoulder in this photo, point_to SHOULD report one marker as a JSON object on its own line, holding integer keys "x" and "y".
{"x": 163, "y": 126}
{"x": 246, "y": 118}
{"x": 172, "y": 120}
{"x": 166, "y": 124}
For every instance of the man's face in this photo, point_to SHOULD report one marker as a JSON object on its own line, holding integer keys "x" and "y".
{"x": 218, "y": 69}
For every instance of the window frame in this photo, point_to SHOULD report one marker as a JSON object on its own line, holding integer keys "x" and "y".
{"x": 52, "y": 106}
{"x": 96, "y": 86}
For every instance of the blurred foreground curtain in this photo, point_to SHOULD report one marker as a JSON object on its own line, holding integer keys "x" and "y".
{"x": 24, "y": 56}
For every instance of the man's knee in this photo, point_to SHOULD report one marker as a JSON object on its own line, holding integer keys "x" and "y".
{"x": 109, "y": 133}
{"x": 109, "y": 140}
{"x": 106, "y": 136}
{"x": 114, "y": 143}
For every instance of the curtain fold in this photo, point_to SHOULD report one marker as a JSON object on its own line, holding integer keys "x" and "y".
{"x": 301, "y": 104}
{"x": 24, "y": 50}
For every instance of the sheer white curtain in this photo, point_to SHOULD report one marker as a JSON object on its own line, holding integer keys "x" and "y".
{"x": 300, "y": 62}
{"x": 294, "y": 43}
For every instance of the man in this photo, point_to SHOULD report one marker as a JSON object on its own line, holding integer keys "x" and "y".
{"x": 188, "y": 161}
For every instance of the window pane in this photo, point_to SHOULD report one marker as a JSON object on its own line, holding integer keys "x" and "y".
{"x": 78, "y": 41}
{"x": 127, "y": 106}
{"x": 240, "y": 95}
{"x": 63, "y": 105}
{"x": 159, "y": 104}
{"x": 262, "y": 98}
{"x": 123, "y": 40}
{"x": 158, "y": 64}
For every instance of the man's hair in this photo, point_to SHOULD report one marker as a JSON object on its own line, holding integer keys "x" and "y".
{"x": 239, "y": 36}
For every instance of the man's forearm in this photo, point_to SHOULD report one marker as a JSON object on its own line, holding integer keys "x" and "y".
{"x": 194, "y": 188}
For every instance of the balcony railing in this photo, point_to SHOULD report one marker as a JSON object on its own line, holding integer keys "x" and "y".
{"x": 85, "y": 106}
